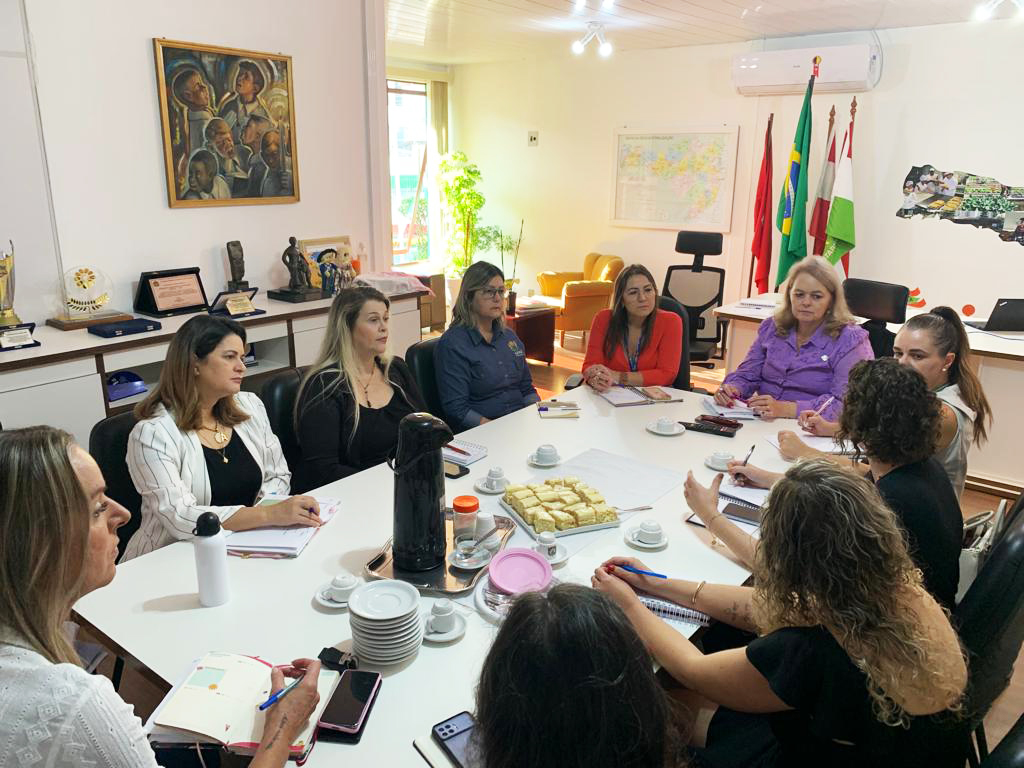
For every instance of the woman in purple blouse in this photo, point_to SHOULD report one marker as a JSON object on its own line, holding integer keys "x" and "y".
{"x": 803, "y": 354}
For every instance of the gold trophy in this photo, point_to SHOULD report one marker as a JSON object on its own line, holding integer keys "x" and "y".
{"x": 7, "y": 314}
{"x": 86, "y": 292}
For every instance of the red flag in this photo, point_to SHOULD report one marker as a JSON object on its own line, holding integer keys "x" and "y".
{"x": 823, "y": 197}
{"x": 761, "y": 247}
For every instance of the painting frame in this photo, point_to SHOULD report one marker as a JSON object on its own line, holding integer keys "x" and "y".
{"x": 311, "y": 247}
{"x": 730, "y": 134}
{"x": 171, "y": 57}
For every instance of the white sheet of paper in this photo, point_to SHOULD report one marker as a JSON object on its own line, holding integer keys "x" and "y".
{"x": 281, "y": 539}
{"x": 823, "y": 444}
{"x": 624, "y": 482}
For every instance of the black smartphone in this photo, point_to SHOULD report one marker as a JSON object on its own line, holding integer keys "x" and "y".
{"x": 347, "y": 711}
{"x": 455, "y": 737}
{"x": 454, "y": 471}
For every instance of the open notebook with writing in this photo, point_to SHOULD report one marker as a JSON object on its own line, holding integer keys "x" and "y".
{"x": 628, "y": 395}
{"x": 279, "y": 541}
{"x": 218, "y": 703}
{"x": 466, "y": 454}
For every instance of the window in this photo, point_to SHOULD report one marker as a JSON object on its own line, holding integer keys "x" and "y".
{"x": 407, "y": 147}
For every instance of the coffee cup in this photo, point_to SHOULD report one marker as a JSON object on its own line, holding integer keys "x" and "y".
{"x": 342, "y": 587}
{"x": 545, "y": 454}
{"x": 465, "y": 546}
{"x": 650, "y": 532}
{"x": 720, "y": 459}
{"x": 546, "y": 544}
{"x": 495, "y": 480}
{"x": 665, "y": 426}
{"x": 442, "y": 616}
{"x": 484, "y": 523}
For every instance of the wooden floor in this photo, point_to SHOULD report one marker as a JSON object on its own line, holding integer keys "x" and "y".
{"x": 144, "y": 695}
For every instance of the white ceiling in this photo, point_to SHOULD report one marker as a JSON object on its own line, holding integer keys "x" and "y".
{"x": 464, "y": 31}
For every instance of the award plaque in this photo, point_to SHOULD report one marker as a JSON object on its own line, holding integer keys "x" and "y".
{"x": 17, "y": 337}
{"x": 86, "y": 292}
{"x": 235, "y": 304}
{"x": 170, "y": 292}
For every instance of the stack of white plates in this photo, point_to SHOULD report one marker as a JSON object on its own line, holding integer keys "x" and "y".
{"x": 386, "y": 624}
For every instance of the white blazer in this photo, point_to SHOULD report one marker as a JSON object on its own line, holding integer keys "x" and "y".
{"x": 169, "y": 471}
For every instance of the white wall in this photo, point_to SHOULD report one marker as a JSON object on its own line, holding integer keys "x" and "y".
{"x": 98, "y": 97}
{"x": 942, "y": 100}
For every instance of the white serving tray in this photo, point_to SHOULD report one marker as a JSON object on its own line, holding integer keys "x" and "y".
{"x": 529, "y": 528}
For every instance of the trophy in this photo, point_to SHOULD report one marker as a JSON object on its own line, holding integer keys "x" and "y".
{"x": 86, "y": 292}
{"x": 7, "y": 314}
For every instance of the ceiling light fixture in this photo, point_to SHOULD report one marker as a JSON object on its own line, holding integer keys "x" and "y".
{"x": 984, "y": 11}
{"x": 594, "y": 29}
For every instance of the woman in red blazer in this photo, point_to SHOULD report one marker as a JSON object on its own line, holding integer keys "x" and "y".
{"x": 634, "y": 342}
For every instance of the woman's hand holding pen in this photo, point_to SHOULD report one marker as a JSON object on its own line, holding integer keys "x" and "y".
{"x": 298, "y": 510}
{"x": 751, "y": 476}
{"x": 726, "y": 395}
{"x": 288, "y": 715}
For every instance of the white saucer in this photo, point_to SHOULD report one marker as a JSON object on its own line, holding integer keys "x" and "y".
{"x": 444, "y": 637}
{"x": 709, "y": 465}
{"x": 479, "y": 486}
{"x": 474, "y": 564}
{"x": 324, "y": 599}
{"x": 630, "y": 537}
{"x": 652, "y": 428}
{"x": 531, "y": 459}
{"x": 561, "y": 555}
{"x": 385, "y": 600}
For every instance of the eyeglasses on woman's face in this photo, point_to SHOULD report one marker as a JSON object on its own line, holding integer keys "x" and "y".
{"x": 492, "y": 293}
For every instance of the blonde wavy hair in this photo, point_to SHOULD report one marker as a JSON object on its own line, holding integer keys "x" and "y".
{"x": 833, "y": 554}
{"x": 838, "y": 315}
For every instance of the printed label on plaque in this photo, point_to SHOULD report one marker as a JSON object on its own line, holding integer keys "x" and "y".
{"x": 15, "y": 338}
{"x": 239, "y": 305}
{"x": 176, "y": 292}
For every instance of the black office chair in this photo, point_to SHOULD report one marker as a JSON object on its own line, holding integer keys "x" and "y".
{"x": 420, "y": 359}
{"x": 1010, "y": 752}
{"x": 990, "y": 621}
{"x": 108, "y": 444}
{"x": 278, "y": 395}
{"x": 880, "y": 303}
{"x": 671, "y": 305}
{"x": 699, "y": 289}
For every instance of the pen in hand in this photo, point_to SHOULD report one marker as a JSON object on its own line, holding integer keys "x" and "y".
{"x": 642, "y": 572}
{"x": 274, "y": 697}
{"x": 749, "y": 454}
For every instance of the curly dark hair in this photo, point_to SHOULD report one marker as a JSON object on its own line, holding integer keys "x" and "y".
{"x": 889, "y": 413}
{"x": 569, "y": 683}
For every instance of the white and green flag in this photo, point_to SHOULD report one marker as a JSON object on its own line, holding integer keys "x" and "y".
{"x": 840, "y": 230}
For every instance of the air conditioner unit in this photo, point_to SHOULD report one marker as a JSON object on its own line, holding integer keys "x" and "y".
{"x": 843, "y": 68}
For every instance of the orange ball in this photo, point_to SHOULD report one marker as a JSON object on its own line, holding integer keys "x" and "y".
{"x": 968, "y": 310}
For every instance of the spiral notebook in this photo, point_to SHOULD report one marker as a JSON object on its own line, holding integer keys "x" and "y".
{"x": 629, "y": 395}
{"x": 466, "y": 452}
{"x": 679, "y": 617}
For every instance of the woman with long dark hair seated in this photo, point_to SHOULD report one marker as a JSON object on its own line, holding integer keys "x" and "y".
{"x": 634, "y": 342}
{"x": 58, "y": 542}
{"x": 203, "y": 445}
{"x": 567, "y": 682}
{"x": 480, "y": 364}
{"x": 353, "y": 397}
{"x": 852, "y": 648}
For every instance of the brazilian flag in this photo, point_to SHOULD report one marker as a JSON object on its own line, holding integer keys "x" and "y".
{"x": 792, "y": 217}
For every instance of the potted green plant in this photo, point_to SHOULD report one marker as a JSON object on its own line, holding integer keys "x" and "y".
{"x": 493, "y": 239}
{"x": 462, "y": 203}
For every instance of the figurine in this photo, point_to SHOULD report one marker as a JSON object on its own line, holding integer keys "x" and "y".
{"x": 236, "y": 262}
{"x": 327, "y": 261}
{"x": 298, "y": 267}
{"x": 346, "y": 272}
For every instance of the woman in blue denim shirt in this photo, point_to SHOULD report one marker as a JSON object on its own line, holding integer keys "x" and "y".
{"x": 480, "y": 364}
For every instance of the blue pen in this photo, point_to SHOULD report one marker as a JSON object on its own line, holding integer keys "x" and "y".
{"x": 631, "y": 569}
{"x": 275, "y": 696}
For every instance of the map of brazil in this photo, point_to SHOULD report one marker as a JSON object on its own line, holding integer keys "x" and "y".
{"x": 675, "y": 180}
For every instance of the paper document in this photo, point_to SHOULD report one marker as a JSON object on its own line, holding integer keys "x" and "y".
{"x": 735, "y": 411}
{"x": 279, "y": 542}
{"x": 623, "y": 481}
{"x": 823, "y": 444}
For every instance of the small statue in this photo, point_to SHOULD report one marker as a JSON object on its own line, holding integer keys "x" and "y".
{"x": 327, "y": 260}
{"x": 298, "y": 267}
{"x": 236, "y": 262}
{"x": 7, "y": 315}
{"x": 346, "y": 272}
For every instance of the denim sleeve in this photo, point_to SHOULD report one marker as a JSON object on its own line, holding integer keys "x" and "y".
{"x": 452, "y": 371}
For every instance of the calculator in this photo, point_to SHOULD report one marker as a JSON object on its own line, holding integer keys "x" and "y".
{"x": 710, "y": 428}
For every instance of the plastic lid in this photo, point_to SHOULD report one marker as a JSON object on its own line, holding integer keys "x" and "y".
{"x": 208, "y": 524}
{"x": 466, "y": 504}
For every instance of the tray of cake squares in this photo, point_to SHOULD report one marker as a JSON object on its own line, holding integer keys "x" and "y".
{"x": 562, "y": 505}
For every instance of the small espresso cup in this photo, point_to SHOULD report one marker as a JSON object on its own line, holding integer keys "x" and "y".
{"x": 666, "y": 425}
{"x": 546, "y": 454}
{"x": 495, "y": 479}
{"x": 442, "y": 616}
{"x": 650, "y": 532}
{"x": 342, "y": 587}
{"x": 546, "y": 544}
{"x": 721, "y": 459}
{"x": 484, "y": 523}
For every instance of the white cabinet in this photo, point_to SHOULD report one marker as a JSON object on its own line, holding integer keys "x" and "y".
{"x": 74, "y": 405}
{"x": 404, "y": 328}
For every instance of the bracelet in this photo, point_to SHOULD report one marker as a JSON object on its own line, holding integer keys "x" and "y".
{"x": 709, "y": 522}
{"x": 693, "y": 602}
{"x": 622, "y": 378}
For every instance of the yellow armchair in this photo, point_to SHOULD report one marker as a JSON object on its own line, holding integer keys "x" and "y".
{"x": 578, "y": 296}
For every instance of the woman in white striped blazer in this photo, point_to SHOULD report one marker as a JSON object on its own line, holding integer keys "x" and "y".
{"x": 203, "y": 445}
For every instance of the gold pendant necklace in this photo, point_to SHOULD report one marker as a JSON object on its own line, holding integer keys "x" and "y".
{"x": 220, "y": 437}
{"x": 366, "y": 387}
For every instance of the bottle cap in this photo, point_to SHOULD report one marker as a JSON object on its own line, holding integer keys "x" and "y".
{"x": 465, "y": 504}
{"x": 208, "y": 524}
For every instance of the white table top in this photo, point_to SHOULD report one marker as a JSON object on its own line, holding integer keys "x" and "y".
{"x": 151, "y": 609}
{"x": 983, "y": 343}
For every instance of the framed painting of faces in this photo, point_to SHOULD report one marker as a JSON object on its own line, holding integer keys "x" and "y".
{"x": 228, "y": 121}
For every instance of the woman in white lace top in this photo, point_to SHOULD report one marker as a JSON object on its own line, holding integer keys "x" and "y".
{"x": 58, "y": 541}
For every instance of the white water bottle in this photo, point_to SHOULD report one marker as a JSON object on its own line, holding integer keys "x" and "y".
{"x": 211, "y": 560}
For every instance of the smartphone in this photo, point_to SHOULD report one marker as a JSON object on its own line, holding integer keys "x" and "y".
{"x": 350, "y": 704}
{"x": 455, "y": 737}
{"x": 454, "y": 471}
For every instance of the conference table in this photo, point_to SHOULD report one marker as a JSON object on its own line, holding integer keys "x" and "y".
{"x": 151, "y": 612}
{"x": 994, "y": 467}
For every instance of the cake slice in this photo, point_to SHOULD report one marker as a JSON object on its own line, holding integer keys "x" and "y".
{"x": 569, "y": 498}
{"x": 547, "y": 496}
{"x": 543, "y": 521}
{"x": 511, "y": 491}
{"x": 583, "y": 514}
{"x": 563, "y": 520}
{"x": 592, "y": 495}
{"x": 549, "y": 505}
{"x": 604, "y": 514}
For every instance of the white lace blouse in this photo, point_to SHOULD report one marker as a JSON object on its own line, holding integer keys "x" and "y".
{"x": 59, "y": 715}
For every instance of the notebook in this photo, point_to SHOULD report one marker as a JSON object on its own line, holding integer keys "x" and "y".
{"x": 730, "y": 412}
{"x": 679, "y": 617}
{"x": 218, "y": 701}
{"x": 470, "y": 452}
{"x": 739, "y": 512}
{"x": 278, "y": 542}
{"x": 627, "y": 395}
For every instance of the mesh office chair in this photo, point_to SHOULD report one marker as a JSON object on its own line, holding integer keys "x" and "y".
{"x": 699, "y": 289}
{"x": 880, "y": 303}
{"x": 990, "y": 622}
{"x": 278, "y": 395}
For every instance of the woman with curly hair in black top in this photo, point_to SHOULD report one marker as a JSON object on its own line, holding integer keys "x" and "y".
{"x": 893, "y": 420}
